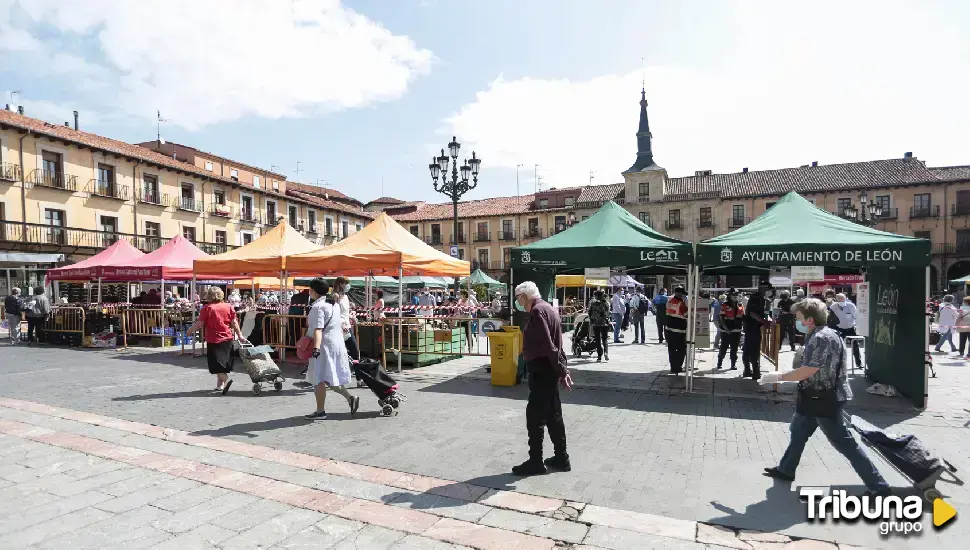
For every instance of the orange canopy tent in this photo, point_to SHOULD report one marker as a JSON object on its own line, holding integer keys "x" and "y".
{"x": 266, "y": 256}
{"x": 383, "y": 247}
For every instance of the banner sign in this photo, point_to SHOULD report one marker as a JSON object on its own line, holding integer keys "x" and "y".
{"x": 597, "y": 273}
{"x": 897, "y": 324}
{"x": 631, "y": 257}
{"x": 807, "y": 272}
{"x": 862, "y": 309}
{"x": 835, "y": 280}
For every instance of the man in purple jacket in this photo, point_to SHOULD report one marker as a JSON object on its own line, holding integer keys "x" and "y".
{"x": 546, "y": 363}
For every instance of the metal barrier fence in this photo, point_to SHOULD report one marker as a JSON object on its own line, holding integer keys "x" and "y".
{"x": 283, "y": 331}
{"x": 146, "y": 322}
{"x": 66, "y": 320}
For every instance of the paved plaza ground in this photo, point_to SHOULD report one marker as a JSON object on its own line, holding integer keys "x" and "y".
{"x": 131, "y": 448}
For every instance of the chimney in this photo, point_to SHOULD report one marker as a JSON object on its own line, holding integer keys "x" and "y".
{"x": 8, "y": 106}
{"x": 814, "y": 163}
{"x": 20, "y": 109}
{"x": 75, "y": 120}
{"x": 67, "y": 124}
{"x": 744, "y": 170}
{"x": 908, "y": 155}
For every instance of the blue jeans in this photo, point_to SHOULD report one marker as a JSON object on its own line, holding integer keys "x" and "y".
{"x": 617, "y": 325}
{"x": 946, "y": 337}
{"x": 838, "y": 434}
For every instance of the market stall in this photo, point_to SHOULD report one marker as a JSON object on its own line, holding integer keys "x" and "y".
{"x": 794, "y": 232}
{"x": 91, "y": 269}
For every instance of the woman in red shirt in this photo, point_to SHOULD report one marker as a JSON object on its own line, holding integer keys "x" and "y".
{"x": 219, "y": 321}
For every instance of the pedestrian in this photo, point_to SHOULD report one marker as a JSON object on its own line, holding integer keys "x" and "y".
{"x": 626, "y": 312}
{"x": 37, "y": 310}
{"x": 676, "y": 314}
{"x": 599, "y": 322}
{"x": 845, "y": 313}
{"x": 946, "y": 319}
{"x": 730, "y": 326}
{"x": 220, "y": 324}
{"x": 639, "y": 306}
{"x": 618, "y": 309}
{"x": 660, "y": 307}
{"x": 786, "y": 320}
{"x": 822, "y": 392}
{"x": 13, "y": 306}
{"x": 379, "y": 307}
{"x": 799, "y": 296}
{"x": 329, "y": 366}
{"x": 753, "y": 320}
{"x": 716, "y": 317}
{"x": 545, "y": 361}
{"x": 963, "y": 327}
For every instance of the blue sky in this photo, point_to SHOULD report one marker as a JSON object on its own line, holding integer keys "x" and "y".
{"x": 366, "y": 89}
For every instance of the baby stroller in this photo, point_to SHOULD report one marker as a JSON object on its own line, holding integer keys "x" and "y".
{"x": 369, "y": 371}
{"x": 260, "y": 367}
{"x": 583, "y": 340}
{"x": 908, "y": 455}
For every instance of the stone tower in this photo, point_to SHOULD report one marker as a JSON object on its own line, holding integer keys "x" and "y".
{"x": 644, "y": 169}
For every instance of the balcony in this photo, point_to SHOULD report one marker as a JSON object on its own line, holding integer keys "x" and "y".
{"x": 461, "y": 238}
{"x": 433, "y": 240}
{"x": 889, "y": 214}
{"x": 107, "y": 190}
{"x": 311, "y": 229}
{"x": 735, "y": 223}
{"x": 154, "y": 198}
{"x": 532, "y": 233}
{"x": 220, "y": 210}
{"x": 670, "y": 225}
{"x": 9, "y": 171}
{"x": 189, "y": 204}
{"x": 705, "y": 223}
{"x": 506, "y": 236}
{"x": 248, "y": 216}
{"x": 52, "y": 180}
{"x": 559, "y": 228}
{"x": 272, "y": 221}
{"x": 482, "y": 237}
{"x": 39, "y": 235}
{"x": 214, "y": 248}
{"x": 920, "y": 212}
{"x": 643, "y": 198}
{"x": 960, "y": 209}
{"x": 951, "y": 249}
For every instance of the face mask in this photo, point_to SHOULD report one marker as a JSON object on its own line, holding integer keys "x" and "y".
{"x": 518, "y": 306}
{"x": 800, "y": 327}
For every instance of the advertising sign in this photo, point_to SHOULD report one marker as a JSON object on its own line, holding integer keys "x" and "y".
{"x": 862, "y": 307}
{"x": 598, "y": 273}
{"x": 808, "y": 273}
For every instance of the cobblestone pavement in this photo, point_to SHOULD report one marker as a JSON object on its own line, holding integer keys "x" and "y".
{"x": 647, "y": 450}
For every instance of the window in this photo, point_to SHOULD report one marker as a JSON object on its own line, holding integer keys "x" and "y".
{"x": 768, "y": 206}
{"x": 189, "y": 233}
{"x": 311, "y": 221}
{"x": 294, "y": 216}
{"x": 506, "y": 257}
{"x": 109, "y": 229}
{"x": 256, "y": 182}
{"x": 276, "y": 185}
{"x": 482, "y": 230}
{"x": 56, "y": 220}
{"x": 461, "y": 231}
{"x": 149, "y": 189}
{"x": 841, "y": 205}
{"x": 271, "y": 212}
{"x": 208, "y": 165}
{"x": 928, "y": 235}
{"x": 219, "y": 197}
{"x": 706, "y": 220}
{"x": 963, "y": 240}
{"x": 737, "y": 212}
{"x": 673, "y": 218}
{"x": 358, "y": 227}
{"x": 220, "y": 237}
{"x": 921, "y": 203}
{"x": 644, "y": 217}
{"x": 247, "y": 208}
{"x": 507, "y": 233}
{"x": 560, "y": 222}
{"x": 436, "y": 233}
{"x": 414, "y": 230}
{"x": 247, "y": 238}
{"x": 543, "y": 203}
{"x": 883, "y": 200}
{"x": 106, "y": 180}
{"x": 234, "y": 174}
{"x": 344, "y": 228}
{"x": 483, "y": 258}
{"x": 570, "y": 201}
{"x": 328, "y": 227}
{"x": 585, "y": 218}
{"x": 534, "y": 227}
{"x": 461, "y": 253}
{"x": 52, "y": 165}
{"x": 153, "y": 229}
{"x": 188, "y": 196}
{"x": 644, "y": 189}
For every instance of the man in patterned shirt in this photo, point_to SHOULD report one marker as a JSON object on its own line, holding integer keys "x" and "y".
{"x": 821, "y": 374}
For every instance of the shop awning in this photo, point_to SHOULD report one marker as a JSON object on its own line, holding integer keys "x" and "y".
{"x": 171, "y": 262}
{"x": 19, "y": 259}
{"x": 266, "y": 255}
{"x": 119, "y": 253}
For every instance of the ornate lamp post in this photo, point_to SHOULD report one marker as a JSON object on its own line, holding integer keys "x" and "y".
{"x": 456, "y": 186}
{"x": 868, "y": 215}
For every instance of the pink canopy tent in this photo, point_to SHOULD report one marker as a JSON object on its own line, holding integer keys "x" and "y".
{"x": 172, "y": 262}
{"x": 120, "y": 253}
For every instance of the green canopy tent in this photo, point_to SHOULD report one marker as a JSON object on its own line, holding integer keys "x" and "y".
{"x": 422, "y": 281}
{"x": 479, "y": 277}
{"x": 961, "y": 281}
{"x": 379, "y": 281}
{"x": 794, "y": 232}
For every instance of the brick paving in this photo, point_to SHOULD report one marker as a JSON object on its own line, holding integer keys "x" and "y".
{"x": 638, "y": 453}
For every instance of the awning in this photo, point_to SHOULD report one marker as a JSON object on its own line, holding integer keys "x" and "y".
{"x": 20, "y": 259}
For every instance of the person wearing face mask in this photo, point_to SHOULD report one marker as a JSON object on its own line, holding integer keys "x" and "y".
{"x": 822, "y": 392}
{"x": 845, "y": 312}
{"x": 729, "y": 327}
{"x": 329, "y": 366}
{"x": 963, "y": 327}
{"x": 754, "y": 319}
{"x": 947, "y": 317}
{"x": 350, "y": 341}
{"x": 676, "y": 311}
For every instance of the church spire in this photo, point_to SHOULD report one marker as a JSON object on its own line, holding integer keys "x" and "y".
{"x": 644, "y": 147}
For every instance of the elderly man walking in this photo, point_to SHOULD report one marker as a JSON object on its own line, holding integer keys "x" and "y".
{"x": 546, "y": 362}
{"x": 13, "y": 306}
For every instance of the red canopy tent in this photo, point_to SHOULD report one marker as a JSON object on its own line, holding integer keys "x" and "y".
{"x": 120, "y": 253}
{"x": 172, "y": 262}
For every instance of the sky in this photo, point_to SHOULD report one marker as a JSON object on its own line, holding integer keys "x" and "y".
{"x": 359, "y": 95}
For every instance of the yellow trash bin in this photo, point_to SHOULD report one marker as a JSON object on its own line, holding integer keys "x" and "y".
{"x": 505, "y": 347}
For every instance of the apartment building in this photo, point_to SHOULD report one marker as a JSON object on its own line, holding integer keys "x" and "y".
{"x": 68, "y": 191}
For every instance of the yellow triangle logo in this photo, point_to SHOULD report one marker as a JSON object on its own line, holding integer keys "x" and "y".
{"x": 942, "y": 512}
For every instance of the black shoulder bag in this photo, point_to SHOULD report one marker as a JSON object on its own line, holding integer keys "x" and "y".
{"x": 821, "y": 403}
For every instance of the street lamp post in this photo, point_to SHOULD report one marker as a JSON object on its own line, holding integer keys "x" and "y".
{"x": 457, "y": 185}
{"x": 868, "y": 215}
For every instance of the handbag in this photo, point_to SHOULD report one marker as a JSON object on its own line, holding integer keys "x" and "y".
{"x": 820, "y": 403}
{"x": 304, "y": 346}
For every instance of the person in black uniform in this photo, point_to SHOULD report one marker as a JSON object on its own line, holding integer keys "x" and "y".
{"x": 729, "y": 320}
{"x": 754, "y": 319}
{"x": 676, "y": 330}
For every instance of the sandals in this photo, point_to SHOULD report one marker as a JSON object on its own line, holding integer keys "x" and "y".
{"x": 225, "y": 388}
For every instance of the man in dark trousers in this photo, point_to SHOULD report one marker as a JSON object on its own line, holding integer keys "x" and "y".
{"x": 660, "y": 307}
{"x": 729, "y": 323}
{"x": 676, "y": 314}
{"x": 546, "y": 362}
{"x": 754, "y": 319}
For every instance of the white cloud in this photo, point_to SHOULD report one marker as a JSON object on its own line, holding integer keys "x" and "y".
{"x": 208, "y": 61}
{"x": 800, "y": 85}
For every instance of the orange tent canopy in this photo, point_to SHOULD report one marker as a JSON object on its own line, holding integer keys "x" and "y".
{"x": 264, "y": 256}
{"x": 383, "y": 247}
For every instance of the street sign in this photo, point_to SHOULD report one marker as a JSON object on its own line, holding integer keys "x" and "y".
{"x": 454, "y": 251}
{"x": 598, "y": 273}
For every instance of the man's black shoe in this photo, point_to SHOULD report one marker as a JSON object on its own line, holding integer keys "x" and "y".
{"x": 778, "y": 474}
{"x": 558, "y": 462}
{"x": 529, "y": 468}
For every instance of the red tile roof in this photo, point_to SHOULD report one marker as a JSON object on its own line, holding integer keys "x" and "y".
{"x": 951, "y": 173}
{"x": 596, "y": 195}
{"x": 498, "y": 206}
{"x": 329, "y": 204}
{"x": 385, "y": 200}
{"x": 324, "y": 192}
{"x": 149, "y": 144}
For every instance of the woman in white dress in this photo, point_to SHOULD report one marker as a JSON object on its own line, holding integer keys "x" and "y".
{"x": 329, "y": 365}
